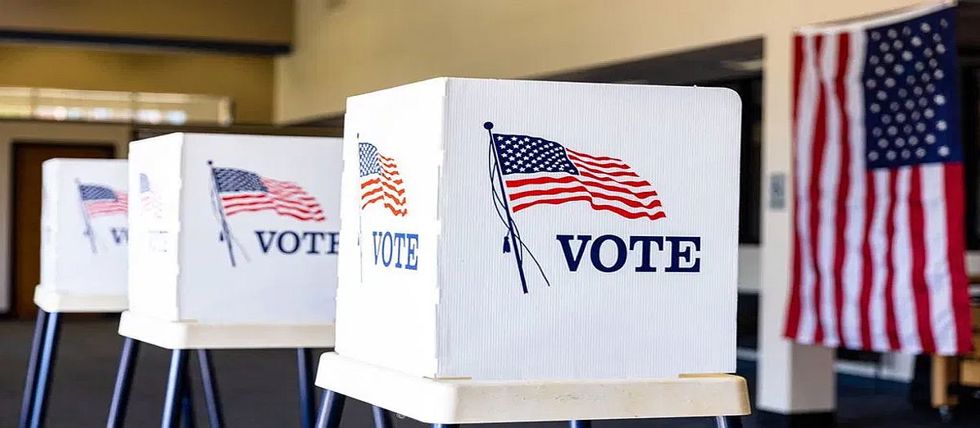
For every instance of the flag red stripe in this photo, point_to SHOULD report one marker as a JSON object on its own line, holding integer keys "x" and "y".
{"x": 515, "y": 183}
{"x": 596, "y": 164}
{"x": 818, "y": 151}
{"x": 920, "y": 290}
{"x": 617, "y": 210}
{"x": 579, "y": 188}
{"x": 891, "y": 324}
{"x": 593, "y": 157}
{"x": 792, "y": 324}
{"x": 867, "y": 271}
{"x": 843, "y": 181}
{"x": 956, "y": 238}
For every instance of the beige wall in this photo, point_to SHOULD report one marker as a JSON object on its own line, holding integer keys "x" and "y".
{"x": 247, "y": 79}
{"x": 348, "y": 47}
{"x": 365, "y": 45}
{"x": 255, "y": 21}
{"x": 15, "y": 131}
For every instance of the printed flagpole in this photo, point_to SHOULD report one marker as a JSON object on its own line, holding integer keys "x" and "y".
{"x": 510, "y": 221}
{"x": 89, "y": 232}
{"x": 225, "y": 233}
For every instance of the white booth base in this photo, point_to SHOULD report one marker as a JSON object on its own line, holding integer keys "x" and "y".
{"x": 459, "y": 401}
{"x": 51, "y": 300}
{"x": 194, "y": 335}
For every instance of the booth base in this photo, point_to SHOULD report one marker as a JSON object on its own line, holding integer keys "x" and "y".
{"x": 51, "y": 300}
{"x": 455, "y": 401}
{"x": 194, "y": 335}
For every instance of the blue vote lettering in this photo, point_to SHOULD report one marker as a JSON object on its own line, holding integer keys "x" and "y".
{"x": 396, "y": 250}
{"x": 120, "y": 235}
{"x": 683, "y": 253}
{"x": 293, "y": 242}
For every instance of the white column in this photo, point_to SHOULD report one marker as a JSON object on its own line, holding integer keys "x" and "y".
{"x": 792, "y": 378}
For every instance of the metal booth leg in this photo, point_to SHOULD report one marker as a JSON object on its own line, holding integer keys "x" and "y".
{"x": 330, "y": 409}
{"x": 175, "y": 385}
{"x": 728, "y": 421}
{"x": 211, "y": 397}
{"x": 30, "y": 383}
{"x": 307, "y": 395}
{"x": 124, "y": 379}
{"x": 187, "y": 419}
{"x": 382, "y": 417}
{"x": 579, "y": 424}
{"x": 45, "y": 367}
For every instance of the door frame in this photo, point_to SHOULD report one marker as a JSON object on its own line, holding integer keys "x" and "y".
{"x": 15, "y": 144}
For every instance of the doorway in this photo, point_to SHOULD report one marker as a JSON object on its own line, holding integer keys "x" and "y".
{"x": 26, "y": 209}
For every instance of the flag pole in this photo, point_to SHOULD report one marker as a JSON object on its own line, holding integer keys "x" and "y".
{"x": 225, "y": 233}
{"x": 510, "y": 221}
{"x": 88, "y": 221}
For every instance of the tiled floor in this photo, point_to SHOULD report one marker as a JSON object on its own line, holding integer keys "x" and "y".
{"x": 258, "y": 388}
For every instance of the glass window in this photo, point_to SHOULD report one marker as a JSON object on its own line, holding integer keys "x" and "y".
{"x": 114, "y": 106}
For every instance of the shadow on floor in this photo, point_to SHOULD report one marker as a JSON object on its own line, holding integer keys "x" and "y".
{"x": 258, "y": 388}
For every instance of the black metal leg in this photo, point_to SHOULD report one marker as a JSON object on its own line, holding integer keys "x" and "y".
{"x": 187, "y": 419}
{"x": 579, "y": 424}
{"x": 382, "y": 418}
{"x": 211, "y": 397}
{"x": 728, "y": 421}
{"x": 307, "y": 395}
{"x": 330, "y": 409}
{"x": 45, "y": 367}
{"x": 124, "y": 379}
{"x": 30, "y": 382}
{"x": 175, "y": 380}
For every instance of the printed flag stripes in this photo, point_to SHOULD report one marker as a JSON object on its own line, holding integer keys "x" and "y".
{"x": 381, "y": 182}
{"x": 878, "y": 256}
{"x": 149, "y": 200}
{"x": 101, "y": 200}
{"x": 541, "y": 172}
{"x": 245, "y": 191}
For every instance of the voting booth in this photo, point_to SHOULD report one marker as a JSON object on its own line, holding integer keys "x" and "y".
{"x": 234, "y": 241}
{"x": 541, "y": 231}
{"x": 84, "y": 240}
{"x": 84, "y": 236}
{"x": 509, "y": 243}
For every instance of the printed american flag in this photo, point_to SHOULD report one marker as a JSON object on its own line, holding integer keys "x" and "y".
{"x": 99, "y": 200}
{"x": 245, "y": 191}
{"x": 149, "y": 200}
{"x": 541, "y": 172}
{"x": 380, "y": 181}
{"x": 878, "y": 256}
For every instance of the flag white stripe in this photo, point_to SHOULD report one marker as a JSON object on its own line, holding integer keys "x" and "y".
{"x": 936, "y": 266}
{"x": 878, "y": 241}
{"x": 902, "y": 297}
{"x": 853, "y": 274}
{"x": 829, "y": 180}
{"x": 804, "y": 140}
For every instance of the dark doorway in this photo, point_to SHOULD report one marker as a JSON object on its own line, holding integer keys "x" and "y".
{"x": 26, "y": 208}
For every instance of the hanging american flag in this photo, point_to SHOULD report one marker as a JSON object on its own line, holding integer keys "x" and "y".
{"x": 244, "y": 191}
{"x": 380, "y": 181}
{"x": 878, "y": 256}
{"x": 541, "y": 172}
{"x": 101, "y": 200}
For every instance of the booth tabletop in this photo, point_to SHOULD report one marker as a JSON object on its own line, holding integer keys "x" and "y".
{"x": 457, "y": 401}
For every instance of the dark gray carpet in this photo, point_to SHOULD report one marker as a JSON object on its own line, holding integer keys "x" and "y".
{"x": 258, "y": 388}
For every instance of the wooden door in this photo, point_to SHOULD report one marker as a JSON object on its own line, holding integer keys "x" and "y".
{"x": 26, "y": 207}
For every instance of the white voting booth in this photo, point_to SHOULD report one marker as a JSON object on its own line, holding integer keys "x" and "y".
{"x": 83, "y": 236}
{"x": 234, "y": 241}
{"x": 506, "y": 244}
